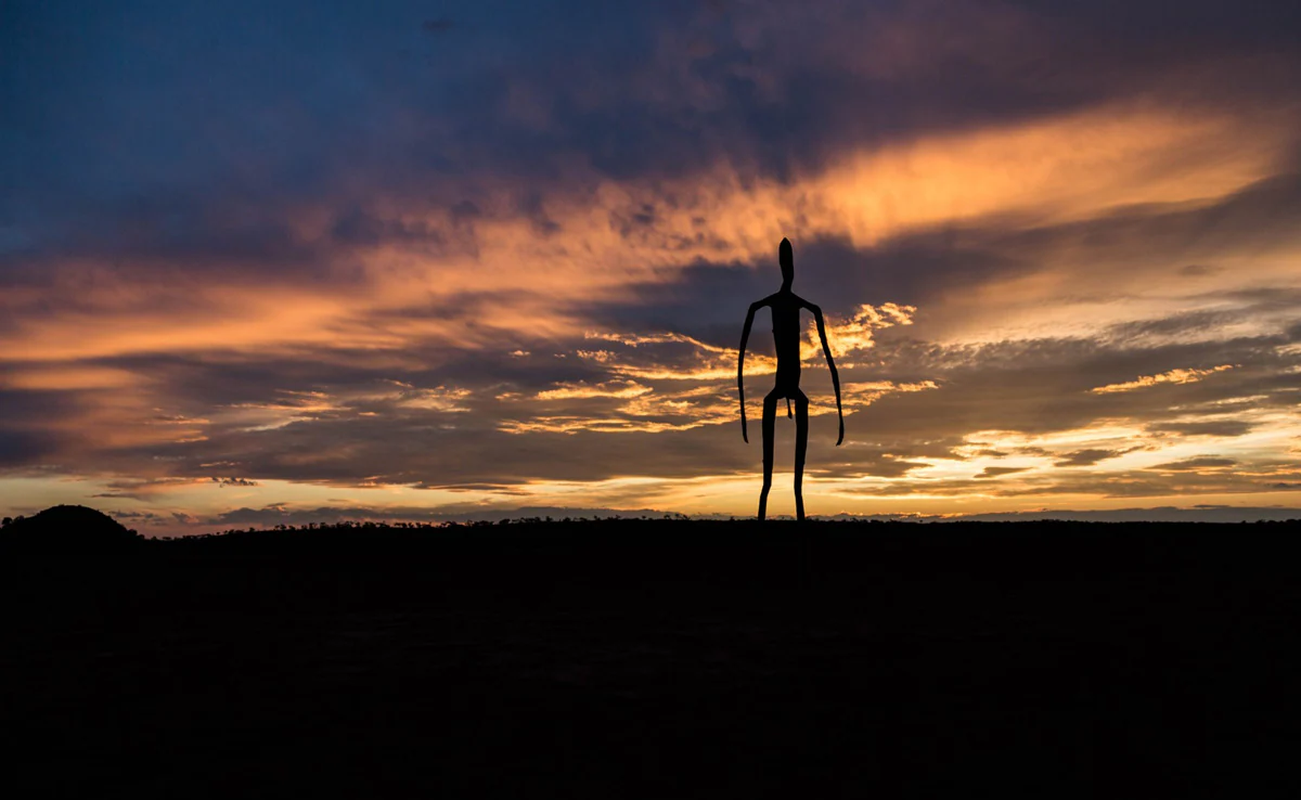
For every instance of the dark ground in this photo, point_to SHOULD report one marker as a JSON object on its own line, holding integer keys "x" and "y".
{"x": 662, "y": 659}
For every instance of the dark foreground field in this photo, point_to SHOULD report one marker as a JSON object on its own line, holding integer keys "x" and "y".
{"x": 662, "y": 659}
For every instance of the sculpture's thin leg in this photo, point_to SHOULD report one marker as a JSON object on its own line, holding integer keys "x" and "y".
{"x": 801, "y": 445}
{"x": 769, "y": 425}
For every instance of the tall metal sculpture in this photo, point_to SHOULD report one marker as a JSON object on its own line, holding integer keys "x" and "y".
{"x": 786, "y": 306}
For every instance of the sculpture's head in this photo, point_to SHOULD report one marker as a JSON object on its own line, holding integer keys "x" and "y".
{"x": 786, "y": 257}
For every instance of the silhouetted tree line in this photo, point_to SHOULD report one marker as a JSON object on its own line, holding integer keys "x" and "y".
{"x": 374, "y": 525}
{"x": 75, "y": 530}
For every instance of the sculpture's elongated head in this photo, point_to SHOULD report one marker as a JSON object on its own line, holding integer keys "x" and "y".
{"x": 786, "y": 257}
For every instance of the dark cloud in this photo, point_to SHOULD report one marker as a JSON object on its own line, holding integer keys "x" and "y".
{"x": 23, "y": 447}
{"x": 356, "y": 227}
{"x": 29, "y": 426}
{"x": 995, "y": 472}
{"x": 1192, "y": 321}
{"x": 1217, "y": 427}
{"x": 224, "y": 482}
{"x": 36, "y": 407}
{"x": 1199, "y": 462}
{"x": 862, "y": 462}
{"x": 1089, "y": 457}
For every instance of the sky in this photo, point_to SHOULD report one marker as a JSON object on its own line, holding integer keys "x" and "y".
{"x": 280, "y": 262}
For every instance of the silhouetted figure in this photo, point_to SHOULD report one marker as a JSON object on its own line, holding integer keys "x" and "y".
{"x": 786, "y": 307}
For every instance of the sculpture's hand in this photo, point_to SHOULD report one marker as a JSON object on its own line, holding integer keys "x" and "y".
{"x": 842, "y": 431}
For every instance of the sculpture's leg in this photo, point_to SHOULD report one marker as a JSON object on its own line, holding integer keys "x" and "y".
{"x": 801, "y": 444}
{"x": 769, "y": 425}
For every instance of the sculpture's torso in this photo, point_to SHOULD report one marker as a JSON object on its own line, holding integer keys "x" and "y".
{"x": 786, "y": 336}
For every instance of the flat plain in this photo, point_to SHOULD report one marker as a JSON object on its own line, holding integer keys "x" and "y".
{"x": 659, "y": 658}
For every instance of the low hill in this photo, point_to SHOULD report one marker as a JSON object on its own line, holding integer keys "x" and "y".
{"x": 67, "y": 530}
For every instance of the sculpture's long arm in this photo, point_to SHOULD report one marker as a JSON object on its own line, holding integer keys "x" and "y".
{"x": 740, "y": 363}
{"x": 835, "y": 379}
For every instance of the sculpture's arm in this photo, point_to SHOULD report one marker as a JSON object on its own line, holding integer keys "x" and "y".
{"x": 740, "y": 363}
{"x": 835, "y": 379}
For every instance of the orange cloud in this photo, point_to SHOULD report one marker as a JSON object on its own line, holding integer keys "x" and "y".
{"x": 1173, "y": 376}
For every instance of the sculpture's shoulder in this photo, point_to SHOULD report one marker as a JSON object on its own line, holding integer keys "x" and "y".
{"x": 802, "y": 303}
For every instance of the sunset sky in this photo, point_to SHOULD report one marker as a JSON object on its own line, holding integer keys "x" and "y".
{"x": 268, "y": 262}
